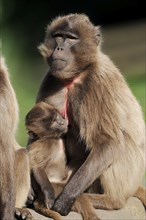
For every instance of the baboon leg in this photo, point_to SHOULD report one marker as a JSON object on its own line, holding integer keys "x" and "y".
{"x": 141, "y": 195}
{"x": 46, "y": 212}
{"x": 103, "y": 201}
{"x": 83, "y": 206}
{"x": 22, "y": 179}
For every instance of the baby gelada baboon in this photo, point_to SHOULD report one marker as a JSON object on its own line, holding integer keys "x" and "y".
{"x": 46, "y": 128}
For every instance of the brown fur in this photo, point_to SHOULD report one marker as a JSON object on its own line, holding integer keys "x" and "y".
{"x": 105, "y": 119}
{"x": 15, "y": 183}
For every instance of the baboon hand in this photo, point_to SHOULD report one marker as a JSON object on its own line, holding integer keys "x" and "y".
{"x": 63, "y": 205}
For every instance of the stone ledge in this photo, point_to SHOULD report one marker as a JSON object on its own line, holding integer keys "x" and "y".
{"x": 133, "y": 210}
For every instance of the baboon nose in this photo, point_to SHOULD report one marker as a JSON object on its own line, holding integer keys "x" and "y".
{"x": 60, "y": 48}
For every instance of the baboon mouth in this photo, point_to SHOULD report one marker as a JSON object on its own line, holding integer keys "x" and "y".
{"x": 58, "y": 59}
{"x": 59, "y": 64}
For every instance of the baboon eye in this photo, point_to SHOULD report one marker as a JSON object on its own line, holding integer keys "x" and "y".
{"x": 69, "y": 36}
{"x": 72, "y": 37}
{"x": 57, "y": 35}
{"x": 32, "y": 135}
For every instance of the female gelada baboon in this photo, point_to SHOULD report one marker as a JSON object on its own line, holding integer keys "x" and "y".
{"x": 106, "y": 132}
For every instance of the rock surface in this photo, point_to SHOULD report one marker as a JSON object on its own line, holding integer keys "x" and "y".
{"x": 133, "y": 210}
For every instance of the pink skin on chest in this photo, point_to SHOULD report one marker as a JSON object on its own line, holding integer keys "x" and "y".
{"x": 68, "y": 87}
{"x": 65, "y": 107}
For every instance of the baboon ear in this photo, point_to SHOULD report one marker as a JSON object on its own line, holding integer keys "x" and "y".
{"x": 43, "y": 50}
{"x": 97, "y": 34}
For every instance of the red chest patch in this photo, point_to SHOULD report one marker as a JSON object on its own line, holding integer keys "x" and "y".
{"x": 68, "y": 86}
{"x": 65, "y": 106}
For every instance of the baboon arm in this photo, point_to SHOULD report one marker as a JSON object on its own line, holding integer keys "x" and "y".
{"x": 42, "y": 187}
{"x": 97, "y": 161}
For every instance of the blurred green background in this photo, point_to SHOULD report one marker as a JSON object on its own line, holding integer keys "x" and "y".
{"x": 22, "y": 29}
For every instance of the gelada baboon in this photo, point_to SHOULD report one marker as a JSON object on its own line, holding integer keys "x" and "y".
{"x": 8, "y": 107}
{"x": 14, "y": 182}
{"x": 46, "y": 128}
{"x": 106, "y": 130}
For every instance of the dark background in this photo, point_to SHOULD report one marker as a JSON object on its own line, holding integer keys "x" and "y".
{"x": 31, "y": 16}
{"x": 22, "y": 29}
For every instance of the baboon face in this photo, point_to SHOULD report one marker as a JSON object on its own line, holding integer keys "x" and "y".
{"x": 45, "y": 121}
{"x": 67, "y": 47}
